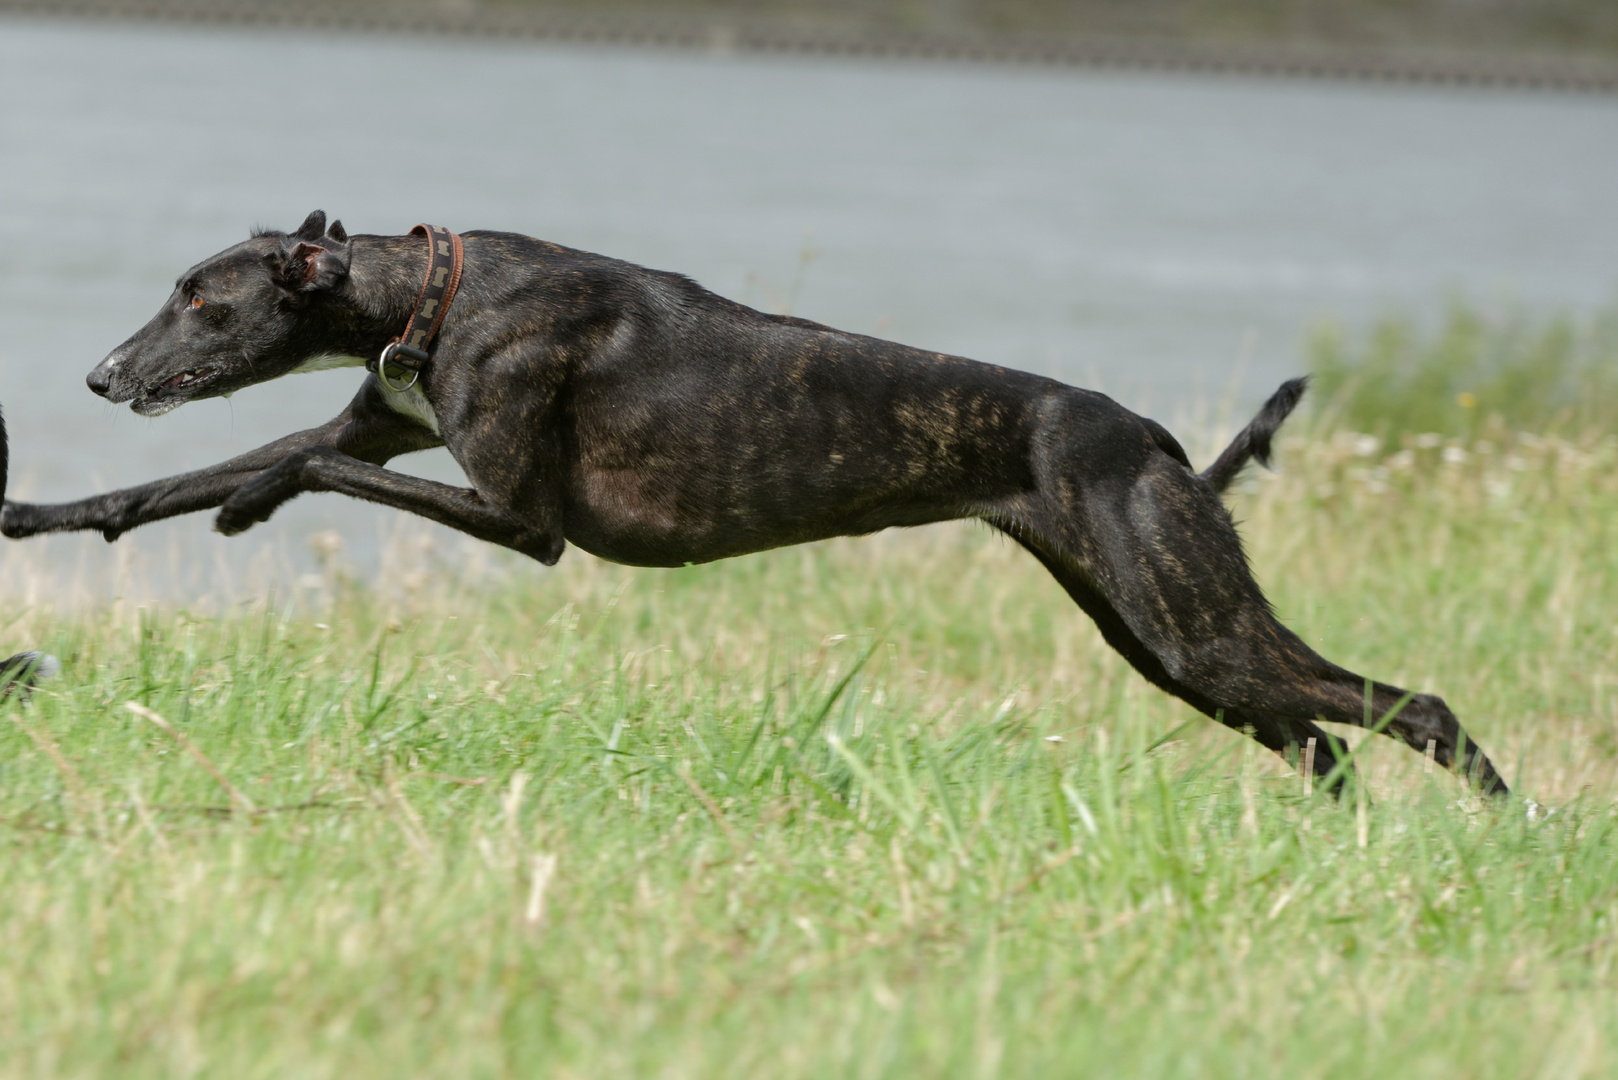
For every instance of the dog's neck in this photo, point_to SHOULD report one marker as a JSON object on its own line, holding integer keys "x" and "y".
{"x": 374, "y": 303}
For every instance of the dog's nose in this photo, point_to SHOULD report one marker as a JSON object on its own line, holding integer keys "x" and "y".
{"x": 99, "y": 379}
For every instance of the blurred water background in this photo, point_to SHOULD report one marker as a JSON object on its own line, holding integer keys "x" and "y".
{"x": 1170, "y": 239}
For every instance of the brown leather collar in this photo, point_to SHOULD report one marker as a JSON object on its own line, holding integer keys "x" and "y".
{"x": 409, "y": 352}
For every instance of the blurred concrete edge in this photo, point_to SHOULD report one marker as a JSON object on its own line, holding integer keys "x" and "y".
{"x": 728, "y": 32}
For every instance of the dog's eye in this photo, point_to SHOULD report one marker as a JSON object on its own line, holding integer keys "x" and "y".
{"x": 196, "y": 301}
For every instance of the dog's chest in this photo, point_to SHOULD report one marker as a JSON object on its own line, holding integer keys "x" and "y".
{"x": 413, "y": 404}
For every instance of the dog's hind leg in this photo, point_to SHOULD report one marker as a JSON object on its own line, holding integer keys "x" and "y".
{"x": 1146, "y": 547}
{"x": 1283, "y": 735}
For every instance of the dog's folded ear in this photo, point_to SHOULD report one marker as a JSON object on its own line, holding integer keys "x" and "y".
{"x": 304, "y": 267}
{"x": 313, "y": 227}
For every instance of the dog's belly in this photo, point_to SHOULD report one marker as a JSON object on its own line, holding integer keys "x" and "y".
{"x": 645, "y": 517}
{"x": 679, "y": 547}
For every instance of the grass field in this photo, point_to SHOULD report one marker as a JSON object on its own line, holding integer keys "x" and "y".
{"x": 871, "y": 808}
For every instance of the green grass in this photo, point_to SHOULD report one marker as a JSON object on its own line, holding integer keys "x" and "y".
{"x": 803, "y": 814}
{"x": 1479, "y": 373}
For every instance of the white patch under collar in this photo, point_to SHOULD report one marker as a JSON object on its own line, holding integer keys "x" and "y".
{"x": 327, "y": 362}
{"x": 414, "y": 404}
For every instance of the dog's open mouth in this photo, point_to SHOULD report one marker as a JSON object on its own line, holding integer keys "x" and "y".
{"x": 174, "y": 391}
{"x": 190, "y": 379}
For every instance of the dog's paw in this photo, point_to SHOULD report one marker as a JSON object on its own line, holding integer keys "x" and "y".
{"x": 243, "y": 510}
{"x": 255, "y": 501}
{"x": 237, "y": 517}
{"x": 26, "y": 670}
{"x": 18, "y": 520}
{"x": 252, "y": 505}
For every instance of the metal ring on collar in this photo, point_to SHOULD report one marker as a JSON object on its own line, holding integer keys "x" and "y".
{"x": 389, "y": 367}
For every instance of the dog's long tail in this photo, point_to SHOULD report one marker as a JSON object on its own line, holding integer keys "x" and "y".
{"x": 1254, "y": 440}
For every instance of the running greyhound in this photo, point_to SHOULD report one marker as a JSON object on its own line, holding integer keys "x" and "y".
{"x": 651, "y": 422}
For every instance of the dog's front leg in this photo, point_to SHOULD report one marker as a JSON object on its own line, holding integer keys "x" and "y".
{"x": 117, "y": 512}
{"x": 366, "y": 429}
{"x": 322, "y": 468}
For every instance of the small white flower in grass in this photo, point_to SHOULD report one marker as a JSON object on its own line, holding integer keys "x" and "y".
{"x": 1054, "y": 738}
{"x": 1281, "y": 902}
{"x": 539, "y": 880}
{"x": 1366, "y": 445}
{"x": 1454, "y": 455}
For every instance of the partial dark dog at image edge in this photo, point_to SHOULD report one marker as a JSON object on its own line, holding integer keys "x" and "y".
{"x": 638, "y": 416}
{"x": 23, "y": 671}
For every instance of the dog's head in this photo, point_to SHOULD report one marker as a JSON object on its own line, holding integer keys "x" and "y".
{"x": 247, "y": 315}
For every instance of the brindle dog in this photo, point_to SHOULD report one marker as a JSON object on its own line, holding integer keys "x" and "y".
{"x": 651, "y": 422}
